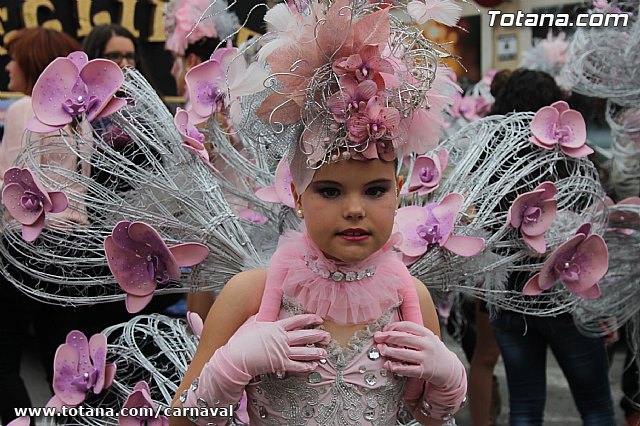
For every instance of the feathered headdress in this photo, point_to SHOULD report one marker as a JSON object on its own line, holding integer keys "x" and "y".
{"x": 355, "y": 80}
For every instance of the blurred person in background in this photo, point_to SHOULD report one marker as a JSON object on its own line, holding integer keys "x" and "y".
{"x": 31, "y": 51}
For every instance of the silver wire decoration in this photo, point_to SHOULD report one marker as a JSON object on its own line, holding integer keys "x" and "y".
{"x": 491, "y": 162}
{"x": 152, "y": 179}
{"x": 153, "y": 348}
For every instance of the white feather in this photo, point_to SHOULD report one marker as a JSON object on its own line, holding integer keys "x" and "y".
{"x": 446, "y": 12}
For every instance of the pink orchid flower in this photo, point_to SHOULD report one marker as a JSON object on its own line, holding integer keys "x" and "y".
{"x": 74, "y": 87}
{"x": 422, "y": 227}
{"x": 280, "y": 192}
{"x": 579, "y": 263}
{"x": 79, "y": 366}
{"x": 217, "y": 84}
{"x": 27, "y": 201}
{"x": 352, "y": 98}
{"x": 368, "y": 64}
{"x": 427, "y": 172}
{"x": 374, "y": 124}
{"x": 140, "y": 397}
{"x": 193, "y": 139}
{"x": 140, "y": 261}
{"x": 252, "y": 216}
{"x": 533, "y": 212}
{"x": 558, "y": 125}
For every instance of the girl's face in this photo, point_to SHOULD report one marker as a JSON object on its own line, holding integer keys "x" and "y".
{"x": 17, "y": 80}
{"x": 121, "y": 50}
{"x": 349, "y": 208}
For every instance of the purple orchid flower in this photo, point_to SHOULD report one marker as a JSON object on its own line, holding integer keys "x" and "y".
{"x": 140, "y": 397}
{"x": 579, "y": 263}
{"x": 422, "y": 227}
{"x": 280, "y": 192}
{"x": 79, "y": 366}
{"x": 368, "y": 64}
{"x": 74, "y": 87}
{"x": 533, "y": 212}
{"x": 28, "y": 201}
{"x": 140, "y": 261}
{"x": 376, "y": 124}
{"x": 352, "y": 98}
{"x": 193, "y": 139}
{"x": 427, "y": 172}
{"x": 217, "y": 84}
{"x": 559, "y": 125}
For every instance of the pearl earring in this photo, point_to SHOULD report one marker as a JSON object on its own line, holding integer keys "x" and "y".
{"x": 300, "y": 213}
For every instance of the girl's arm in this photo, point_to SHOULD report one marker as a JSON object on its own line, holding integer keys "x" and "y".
{"x": 239, "y": 300}
{"x": 430, "y": 320}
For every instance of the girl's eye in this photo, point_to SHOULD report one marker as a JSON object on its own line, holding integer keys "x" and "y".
{"x": 329, "y": 192}
{"x": 376, "y": 191}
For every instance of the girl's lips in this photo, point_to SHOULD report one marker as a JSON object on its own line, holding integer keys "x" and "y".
{"x": 354, "y": 234}
{"x": 354, "y": 237}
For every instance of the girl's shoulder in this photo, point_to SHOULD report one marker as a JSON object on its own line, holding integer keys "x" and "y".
{"x": 245, "y": 289}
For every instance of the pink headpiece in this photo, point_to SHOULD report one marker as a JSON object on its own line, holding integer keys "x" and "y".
{"x": 212, "y": 19}
{"x": 362, "y": 84}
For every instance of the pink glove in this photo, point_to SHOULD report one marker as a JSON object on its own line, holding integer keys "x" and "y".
{"x": 256, "y": 348}
{"x": 414, "y": 351}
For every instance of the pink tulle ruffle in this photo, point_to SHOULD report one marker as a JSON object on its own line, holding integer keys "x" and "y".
{"x": 344, "y": 302}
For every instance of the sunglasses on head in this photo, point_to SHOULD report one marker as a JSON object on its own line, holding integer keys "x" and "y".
{"x": 117, "y": 56}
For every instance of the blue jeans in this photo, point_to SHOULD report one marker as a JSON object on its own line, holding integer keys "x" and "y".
{"x": 523, "y": 342}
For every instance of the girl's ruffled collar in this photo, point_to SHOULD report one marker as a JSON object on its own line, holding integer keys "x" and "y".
{"x": 352, "y": 293}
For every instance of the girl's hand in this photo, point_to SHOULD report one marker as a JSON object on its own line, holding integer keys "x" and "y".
{"x": 414, "y": 351}
{"x": 269, "y": 347}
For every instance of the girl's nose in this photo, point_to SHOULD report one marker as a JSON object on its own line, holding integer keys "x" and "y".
{"x": 354, "y": 209}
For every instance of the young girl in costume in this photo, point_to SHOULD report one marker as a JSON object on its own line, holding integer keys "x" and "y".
{"x": 335, "y": 331}
{"x": 343, "y": 343}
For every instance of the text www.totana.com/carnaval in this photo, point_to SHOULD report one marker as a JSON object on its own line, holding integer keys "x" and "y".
{"x": 139, "y": 412}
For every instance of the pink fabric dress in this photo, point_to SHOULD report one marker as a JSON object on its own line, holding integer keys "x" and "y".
{"x": 351, "y": 387}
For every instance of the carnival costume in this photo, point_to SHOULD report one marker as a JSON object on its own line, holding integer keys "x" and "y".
{"x": 345, "y": 80}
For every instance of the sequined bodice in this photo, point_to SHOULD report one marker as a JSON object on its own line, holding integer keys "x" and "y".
{"x": 350, "y": 388}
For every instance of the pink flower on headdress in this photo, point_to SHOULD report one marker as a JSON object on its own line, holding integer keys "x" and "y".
{"x": 427, "y": 172}
{"x": 280, "y": 192}
{"x": 140, "y": 397}
{"x": 352, "y": 98}
{"x": 533, "y": 212}
{"x": 140, "y": 261}
{"x": 184, "y": 26}
{"x": 217, "y": 84}
{"x": 579, "y": 263}
{"x": 78, "y": 367}
{"x": 375, "y": 124}
{"x": 74, "y": 87}
{"x": 28, "y": 201}
{"x": 558, "y": 125}
{"x": 422, "y": 227}
{"x": 367, "y": 64}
